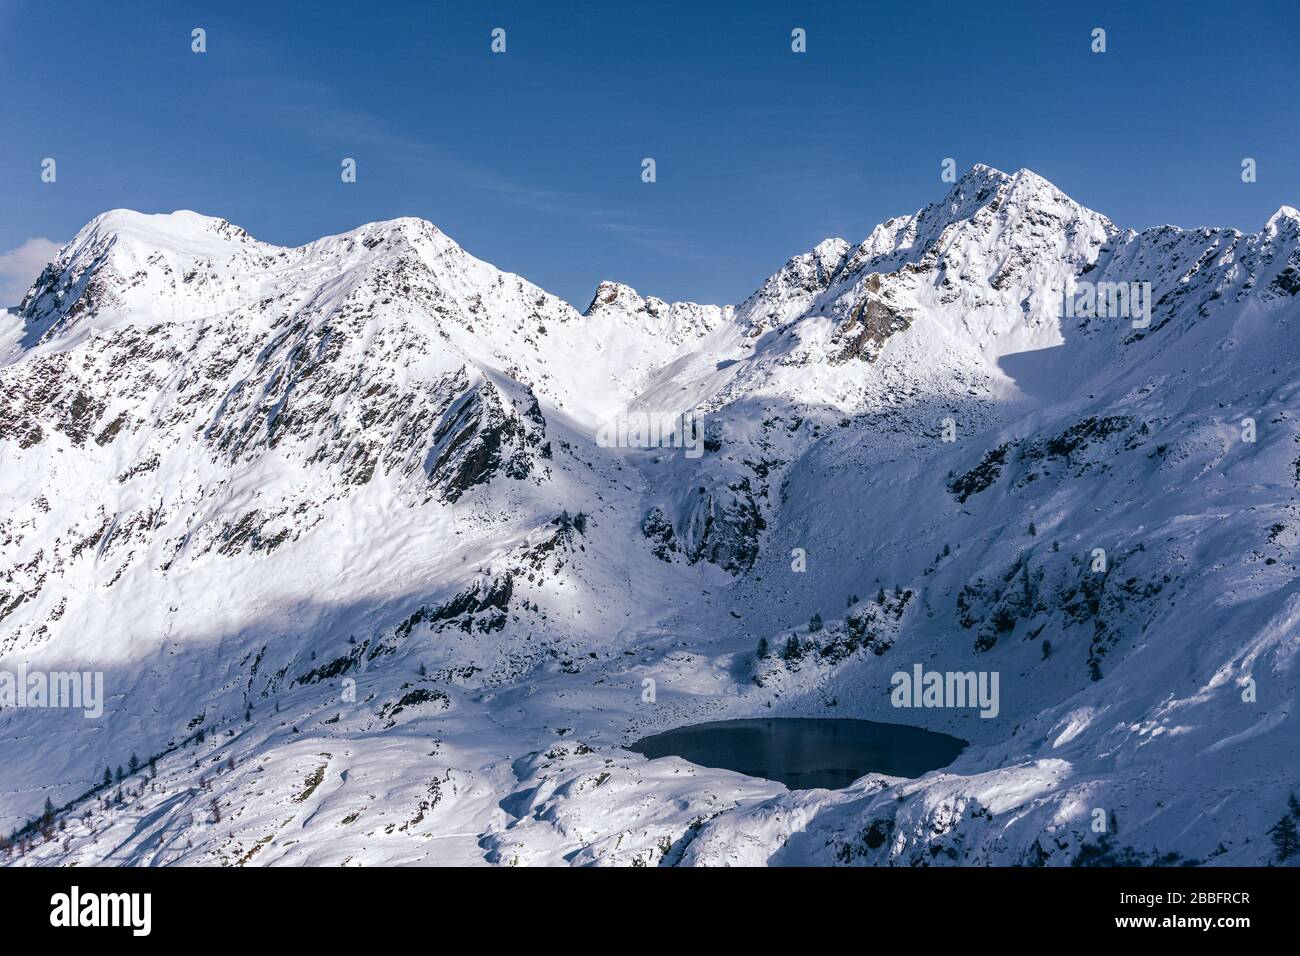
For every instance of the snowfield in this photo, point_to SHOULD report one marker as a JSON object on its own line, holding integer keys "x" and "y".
{"x": 334, "y": 525}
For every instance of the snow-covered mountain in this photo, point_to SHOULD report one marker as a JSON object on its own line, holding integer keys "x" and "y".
{"x": 364, "y": 584}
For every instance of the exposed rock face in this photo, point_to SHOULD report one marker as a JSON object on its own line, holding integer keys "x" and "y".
{"x": 871, "y": 322}
{"x": 480, "y": 435}
{"x": 722, "y": 525}
{"x": 661, "y": 533}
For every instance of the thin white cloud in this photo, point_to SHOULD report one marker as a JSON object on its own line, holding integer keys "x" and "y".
{"x": 19, "y": 268}
{"x": 313, "y": 109}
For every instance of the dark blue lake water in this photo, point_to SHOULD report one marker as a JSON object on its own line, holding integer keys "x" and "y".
{"x": 806, "y": 752}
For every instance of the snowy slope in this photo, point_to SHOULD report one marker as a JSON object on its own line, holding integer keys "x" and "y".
{"x": 335, "y": 525}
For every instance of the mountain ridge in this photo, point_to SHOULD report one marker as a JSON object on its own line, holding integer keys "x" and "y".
{"x": 240, "y": 476}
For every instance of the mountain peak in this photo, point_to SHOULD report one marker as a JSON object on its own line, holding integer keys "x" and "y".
{"x": 406, "y": 227}
{"x": 830, "y": 252}
{"x": 981, "y": 183}
{"x": 1026, "y": 184}
{"x": 981, "y": 173}
{"x": 405, "y": 231}
{"x": 1285, "y": 215}
{"x": 183, "y": 230}
{"x": 675, "y": 322}
{"x": 610, "y": 294}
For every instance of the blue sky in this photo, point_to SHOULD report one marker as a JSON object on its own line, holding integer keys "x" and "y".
{"x": 532, "y": 159}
